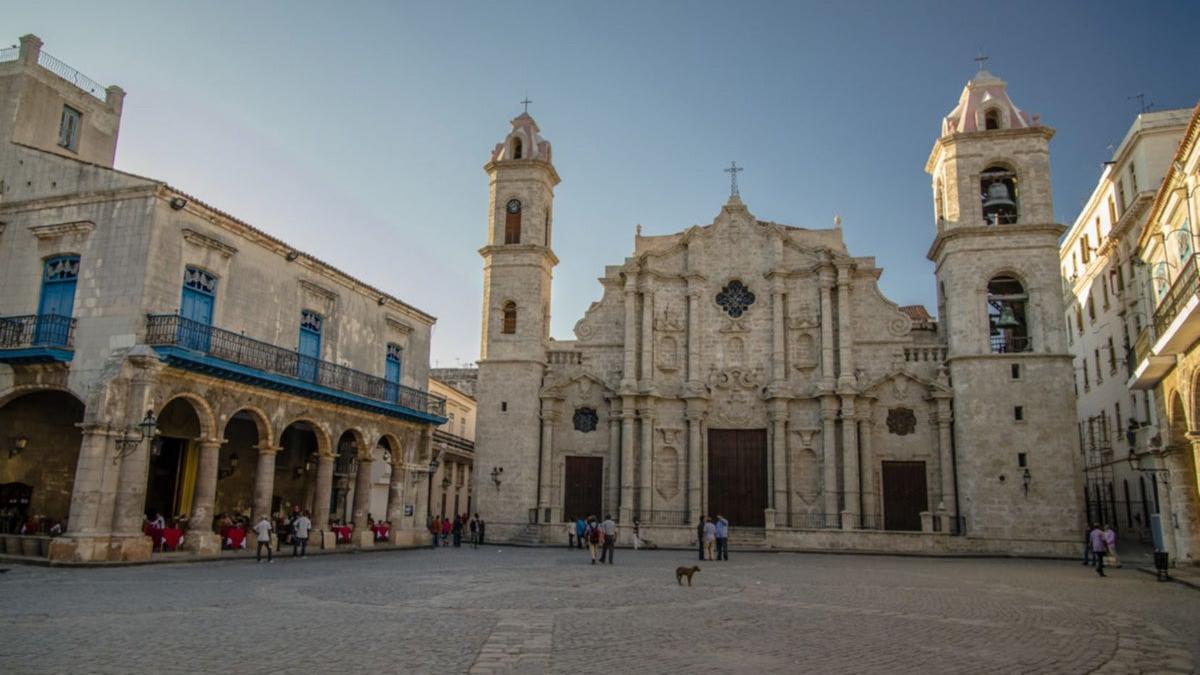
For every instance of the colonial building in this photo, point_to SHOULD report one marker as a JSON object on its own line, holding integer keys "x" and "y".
{"x": 454, "y": 449}
{"x": 160, "y": 355}
{"x": 1106, "y": 310}
{"x": 754, "y": 370}
{"x": 1166, "y": 352}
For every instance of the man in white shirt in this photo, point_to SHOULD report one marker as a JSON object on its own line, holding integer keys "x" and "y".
{"x": 609, "y": 529}
{"x": 300, "y": 527}
{"x": 263, "y": 532}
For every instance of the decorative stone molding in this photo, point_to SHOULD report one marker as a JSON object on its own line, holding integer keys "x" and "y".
{"x": 205, "y": 241}
{"x": 61, "y": 229}
{"x": 901, "y": 421}
{"x": 318, "y": 290}
{"x": 397, "y": 325}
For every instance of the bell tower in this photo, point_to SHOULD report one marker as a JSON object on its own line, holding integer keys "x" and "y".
{"x": 1001, "y": 316}
{"x": 517, "y": 265}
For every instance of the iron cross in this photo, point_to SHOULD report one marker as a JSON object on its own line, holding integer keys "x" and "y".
{"x": 526, "y": 102}
{"x": 733, "y": 171}
{"x": 980, "y": 59}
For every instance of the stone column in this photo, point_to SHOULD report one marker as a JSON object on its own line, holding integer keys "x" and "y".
{"x": 646, "y": 458}
{"x": 321, "y": 536}
{"x": 627, "y": 476}
{"x": 647, "y": 374}
{"x": 200, "y": 537}
{"x": 612, "y": 489}
{"x": 828, "y": 460}
{"x": 850, "y": 486}
{"x": 845, "y": 330}
{"x": 778, "y": 309}
{"x": 31, "y": 47}
{"x": 128, "y": 542}
{"x": 92, "y": 497}
{"x": 546, "y": 474}
{"x": 828, "y": 377}
{"x": 870, "y": 498}
{"x": 693, "y": 336}
{"x": 363, "y": 536}
{"x": 693, "y": 466}
{"x": 264, "y": 480}
{"x": 421, "y": 503}
{"x": 946, "y": 460}
{"x": 629, "y": 377}
{"x": 395, "y": 504}
{"x": 779, "y": 500}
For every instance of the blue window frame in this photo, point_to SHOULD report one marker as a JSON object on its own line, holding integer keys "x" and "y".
{"x": 395, "y": 364}
{"x": 308, "y": 361}
{"x": 59, "y": 276}
{"x": 196, "y": 309}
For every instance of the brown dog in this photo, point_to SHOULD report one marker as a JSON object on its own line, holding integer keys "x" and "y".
{"x": 681, "y": 572}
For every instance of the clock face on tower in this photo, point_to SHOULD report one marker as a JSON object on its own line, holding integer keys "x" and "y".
{"x": 514, "y": 206}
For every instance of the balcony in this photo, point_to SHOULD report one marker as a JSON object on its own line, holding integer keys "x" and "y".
{"x": 1174, "y": 322}
{"x": 454, "y": 443}
{"x": 195, "y": 346}
{"x": 1011, "y": 344}
{"x": 48, "y": 338}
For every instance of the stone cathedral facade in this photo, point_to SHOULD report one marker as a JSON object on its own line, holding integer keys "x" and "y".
{"x": 754, "y": 369}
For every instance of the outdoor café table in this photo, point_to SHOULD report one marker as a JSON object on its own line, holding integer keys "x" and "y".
{"x": 156, "y": 536}
{"x": 235, "y": 538}
{"x": 343, "y": 533}
{"x": 381, "y": 532}
{"x": 171, "y": 537}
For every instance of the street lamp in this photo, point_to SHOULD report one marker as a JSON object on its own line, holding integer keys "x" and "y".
{"x": 147, "y": 428}
{"x": 19, "y": 445}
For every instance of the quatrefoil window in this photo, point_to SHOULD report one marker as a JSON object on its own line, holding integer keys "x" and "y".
{"x": 735, "y": 298}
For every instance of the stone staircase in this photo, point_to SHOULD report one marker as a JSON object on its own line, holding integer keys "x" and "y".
{"x": 748, "y": 539}
{"x": 530, "y": 535}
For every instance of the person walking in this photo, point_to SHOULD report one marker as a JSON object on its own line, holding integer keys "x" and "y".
{"x": 609, "y": 529}
{"x": 710, "y": 539}
{"x": 482, "y": 526}
{"x": 456, "y": 530}
{"x": 300, "y": 527}
{"x": 1110, "y": 542}
{"x": 1098, "y": 549}
{"x": 593, "y": 536}
{"x": 446, "y": 531}
{"x": 700, "y": 537}
{"x": 637, "y": 534}
{"x": 435, "y": 528}
{"x": 1088, "y": 558}
{"x": 475, "y": 531}
{"x": 262, "y": 532}
{"x": 580, "y": 528}
{"x": 722, "y": 527}
{"x": 570, "y": 534}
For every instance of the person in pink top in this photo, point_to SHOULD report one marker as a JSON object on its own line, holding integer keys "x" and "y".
{"x": 1110, "y": 540}
{"x": 1099, "y": 548}
{"x": 446, "y": 531}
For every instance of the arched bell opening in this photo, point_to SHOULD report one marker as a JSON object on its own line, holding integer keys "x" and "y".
{"x": 1006, "y": 306}
{"x": 998, "y": 191}
{"x": 38, "y": 456}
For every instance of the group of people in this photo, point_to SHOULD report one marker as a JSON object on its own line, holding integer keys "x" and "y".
{"x": 447, "y": 530}
{"x": 1099, "y": 544}
{"x": 296, "y": 527}
{"x": 599, "y": 535}
{"x": 712, "y": 538}
{"x": 164, "y": 534}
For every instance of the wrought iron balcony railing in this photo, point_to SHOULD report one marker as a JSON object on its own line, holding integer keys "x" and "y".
{"x": 174, "y": 330}
{"x": 45, "y": 330}
{"x": 1011, "y": 344}
{"x": 1141, "y": 347}
{"x": 1182, "y": 289}
{"x": 453, "y": 441}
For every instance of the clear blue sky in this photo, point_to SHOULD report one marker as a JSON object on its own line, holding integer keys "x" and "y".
{"x": 357, "y": 131}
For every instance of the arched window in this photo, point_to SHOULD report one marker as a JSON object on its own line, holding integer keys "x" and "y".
{"x": 516, "y": 148}
{"x": 512, "y": 222}
{"x": 510, "y": 318}
{"x": 1006, "y": 303}
{"x": 998, "y": 191}
{"x": 991, "y": 119}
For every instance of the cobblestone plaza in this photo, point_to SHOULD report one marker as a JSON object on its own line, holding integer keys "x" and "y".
{"x": 548, "y": 610}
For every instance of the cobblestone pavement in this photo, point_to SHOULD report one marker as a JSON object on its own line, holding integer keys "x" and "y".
{"x": 518, "y": 610}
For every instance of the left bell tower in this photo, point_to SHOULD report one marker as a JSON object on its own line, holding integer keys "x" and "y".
{"x": 517, "y": 264}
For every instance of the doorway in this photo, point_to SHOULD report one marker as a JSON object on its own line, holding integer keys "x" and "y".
{"x": 904, "y": 495}
{"x": 584, "y": 484}
{"x": 737, "y": 475}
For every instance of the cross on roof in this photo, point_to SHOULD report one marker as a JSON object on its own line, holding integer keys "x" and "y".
{"x": 526, "y": 102}
{"x": 733, "y": 171}
{"x": 980, "y": 59}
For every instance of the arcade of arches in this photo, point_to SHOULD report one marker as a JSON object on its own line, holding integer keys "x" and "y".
{"x": 221, "y": 450}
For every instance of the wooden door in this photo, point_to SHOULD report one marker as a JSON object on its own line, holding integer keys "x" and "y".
{"x": 904, "y": 495}
{"x": 737, "y": 475}
{"x": 584, "y": 491}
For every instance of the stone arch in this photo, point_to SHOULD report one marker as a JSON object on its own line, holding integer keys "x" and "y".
{"x": 205, "y": 416}
{"x": 362, "y": 449}
{"x": 255, "y": 415}
{"x": 321, "y": 431}
{"x": 15, "y": 392}
{"x": 40, "y": 453}
{"x": 392, "y": 444}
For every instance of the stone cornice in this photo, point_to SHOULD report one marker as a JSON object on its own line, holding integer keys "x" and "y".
{"x": 988, "y": 135}
{"x": 494, "y": 166}
{"x": 77, "y": 199}
{"x": 397, "y": 325}
{"x": 510, "y": 249}
{"x": 208, "y": 242}
{"x": 318, "y": 290}
{"x": 62, "y": 229}
{"x": 935, "y": 249}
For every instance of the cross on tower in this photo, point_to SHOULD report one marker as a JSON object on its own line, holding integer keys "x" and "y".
{"x": 980, "y": 59}
{"x": 733, "y": 171}
{"x": 526, "y": 102}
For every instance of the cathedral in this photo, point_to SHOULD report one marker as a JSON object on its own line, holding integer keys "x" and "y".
{"x": 754, "y": 370}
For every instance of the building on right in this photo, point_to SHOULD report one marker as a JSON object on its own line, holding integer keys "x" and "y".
{"x": 1107, "y": 306}
{"x": 1165, "y": 354}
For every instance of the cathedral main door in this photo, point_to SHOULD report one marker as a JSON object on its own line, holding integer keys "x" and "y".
{"x": 585, "y": 487}
{"x": 737, "y": 475}
{"x": 904, "y": 496}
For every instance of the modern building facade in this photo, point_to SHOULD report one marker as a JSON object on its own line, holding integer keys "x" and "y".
{"x": 1107, "y": 307}
{"x": 1166, "y": 352}
{"x": 754, "y": 370}
{"x": 158, "y": 355}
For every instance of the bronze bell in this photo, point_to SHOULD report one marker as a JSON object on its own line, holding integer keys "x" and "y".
{"x": 998, "y": 199}
{"x": 1007, "y": 318}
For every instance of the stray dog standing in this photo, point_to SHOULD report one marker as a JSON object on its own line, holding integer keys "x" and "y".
{"x": 681, "y": 572}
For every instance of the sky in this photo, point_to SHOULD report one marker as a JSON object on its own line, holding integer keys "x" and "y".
{"x": 357, "y": 131}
